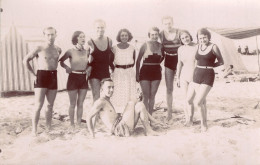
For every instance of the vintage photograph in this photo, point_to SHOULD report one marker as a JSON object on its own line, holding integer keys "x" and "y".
{"x": 129, "y": 82}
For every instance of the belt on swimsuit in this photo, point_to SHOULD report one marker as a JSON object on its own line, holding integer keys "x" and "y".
{"x": 151, "y": 63}
{"x": 124, "y": 66}
{"x": 205, "y": 67}
{"x": 79, "y": 72}
{"x": 169, "y": 54}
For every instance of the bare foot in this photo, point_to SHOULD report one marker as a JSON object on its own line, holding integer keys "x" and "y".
{"x": 152, "y": 133}
{"x": 204, "y": 128}
{"x": 188, "y": 123}
{"x": 169, "y": 117}
{"x": 33, "y": 134}
{"x": 71, "y": 129}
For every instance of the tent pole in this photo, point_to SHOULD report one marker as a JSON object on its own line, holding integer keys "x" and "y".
{"x": 257, "y": 56}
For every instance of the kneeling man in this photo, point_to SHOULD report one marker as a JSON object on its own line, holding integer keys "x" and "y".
{"x": 120, "y": 125}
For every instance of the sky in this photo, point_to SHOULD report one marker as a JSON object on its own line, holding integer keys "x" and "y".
{"x": 138, "y": 16}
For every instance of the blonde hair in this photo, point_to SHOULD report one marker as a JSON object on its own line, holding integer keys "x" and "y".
{"x": 99, "y": 21}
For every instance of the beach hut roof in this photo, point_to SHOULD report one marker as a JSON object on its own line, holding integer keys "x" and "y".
{"x": 237, "y": 33}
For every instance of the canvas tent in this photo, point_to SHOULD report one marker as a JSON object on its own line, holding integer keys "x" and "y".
{"x": 238, "y": 33}
{"x": 13, "y": 75}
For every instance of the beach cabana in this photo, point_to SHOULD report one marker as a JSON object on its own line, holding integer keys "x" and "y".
{"x": 14, "y": 77}
{"x": 239, "y": 33}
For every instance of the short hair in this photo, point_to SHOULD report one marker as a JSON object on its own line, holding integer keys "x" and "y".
{"x": 203, "y": 31}
{"x": 154, "y": 29}
{"x": 182, "y": 32}
{"x": 75, "y": 36}
{"x": 167, "y": 17}
{"x": 130, "y": 36}
{"x": 49, "y": 28}
{"x": 231, "y": 66}
{"x": 99, "y": 21}
{"x": 105, "y": 80}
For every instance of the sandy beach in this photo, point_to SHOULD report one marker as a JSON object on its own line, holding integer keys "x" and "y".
{"x": 232, "y": 138}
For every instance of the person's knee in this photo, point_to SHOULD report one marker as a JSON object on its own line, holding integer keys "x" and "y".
{"x": 152, "y": 97}
{"x": 50, "y": 106}
{"x": 79, "y": 104}
{"x": 169, "y": 90}
{"x": 72, "y": 105}
{"x": 189, "y": 101}
{"x": 198, "y": 103}
{"x": 38, "y": 106}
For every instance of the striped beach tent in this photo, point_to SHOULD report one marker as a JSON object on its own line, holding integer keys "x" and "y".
{"x": 13, "y": 75}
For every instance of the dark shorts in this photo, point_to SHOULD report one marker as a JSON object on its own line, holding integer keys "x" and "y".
{"x": 171, "y": 62}
{"x": 150, "y": 72}
{"x": 204, "y": 76}
{"x": 46, "y": 79}
{"x": 77, "y": 81}
{"x": 99, "y": 73}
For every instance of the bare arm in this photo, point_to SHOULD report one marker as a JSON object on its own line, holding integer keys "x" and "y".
{"x": 97, "y": 107}
{"x": 179, "y": 68}
{"x": 64, "y": 58}
{"x": 141, "y": 53}
{"x": 111, "y": 57}
{"x": 134, "y": 57}
{"x": 216, "y": 51}
{"x": 30, "y": 56}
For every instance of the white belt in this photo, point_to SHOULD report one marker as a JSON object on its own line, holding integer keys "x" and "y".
{"x": 205, "y": 67}
{"x": 169, "y": 54}
{"x": 78, "y": 72}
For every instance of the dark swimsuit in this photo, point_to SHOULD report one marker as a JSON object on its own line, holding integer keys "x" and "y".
{"x": 100, "y": 63}
{"x": 151, "y": 69}
{"x": 170, "y": 50}
{"x": 46, "y": 79}
{"x": 203, "y": 75}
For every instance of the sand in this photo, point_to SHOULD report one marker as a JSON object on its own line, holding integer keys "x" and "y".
{"x": 232, "y": 138}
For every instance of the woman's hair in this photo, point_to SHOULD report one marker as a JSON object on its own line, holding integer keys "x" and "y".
{"x": 203, "y": 31}
{"x": 130, "y": 36}
{"x": 153, "y": 29}
{"x": 167, "y": 17}
{"x": 182, "y": 32}
{"x": 75, "y": 37}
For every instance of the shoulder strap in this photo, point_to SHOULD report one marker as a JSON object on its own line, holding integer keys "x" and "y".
{"x": 93, "y": 43}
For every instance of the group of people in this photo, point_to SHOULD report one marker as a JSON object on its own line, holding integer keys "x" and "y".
{"x": 110, "y": 72}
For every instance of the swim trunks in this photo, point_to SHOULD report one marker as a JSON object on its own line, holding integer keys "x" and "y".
{"x": 77, "y": 81}
{"x": 170, "y": 50}
{"x": 46, "y": 79}
{"x": 101, "y": 62}
{"x": 119, "y": 128}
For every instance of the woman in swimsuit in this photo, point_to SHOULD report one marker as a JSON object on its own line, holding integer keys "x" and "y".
{"x": 78, "y": 71}
{"x": 204, "y": 74}
{"x": 103, "y": 57}
{"x": 185, "y": 69}
{"x": 150, "y": 74}
{"x": 171, "y": 43}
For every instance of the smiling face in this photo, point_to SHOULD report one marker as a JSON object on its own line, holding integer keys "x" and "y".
{"x": 154, "y": 35}
{"x": 107, "y": 88}
{"x": 167, "y": 24}
{"x": 124, "y": 37}
{"x": 185, "y": 38}
{"x": 203, "y": 39}
{"x": 50, "y": 35}
{"x": 81, "y": 39}
{"x": 100, "y": 28}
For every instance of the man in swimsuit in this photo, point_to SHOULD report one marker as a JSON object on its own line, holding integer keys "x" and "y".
{"x": 45, "y": 80}
{"x": 120, "y": 125}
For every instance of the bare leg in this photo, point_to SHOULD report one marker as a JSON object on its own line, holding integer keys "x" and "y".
{"x": 146, "y": 90}
{"x": 81, "y": 97}
{"x": 73, "y": 99}
{"x": 50, "y": 96}
{"x": 39, "y": 100}
{"x": 184, "y": 87}
{"x": 154, "y": 87}
{"x": 189, "y": 104}
{"x": 201, "y": 95}
{"x": 95, "y": 86}
{"x": 169, "y": 77}
{"x": 141, "y": 112}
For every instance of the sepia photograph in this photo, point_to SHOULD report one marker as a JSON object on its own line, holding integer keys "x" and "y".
{"x": 129, "y": 82}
